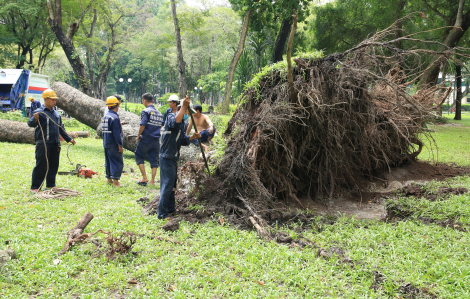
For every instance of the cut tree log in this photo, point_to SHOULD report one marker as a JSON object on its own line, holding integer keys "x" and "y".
{"x": 16, "y": 132}
{"x": 80, "y": 134}
{"x": 89, "y": 111}
{"x": 76, "y": 232}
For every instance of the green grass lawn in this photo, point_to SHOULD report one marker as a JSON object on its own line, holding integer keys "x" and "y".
{"x": 453, "y": 140}
{"x": 213, "y": 261}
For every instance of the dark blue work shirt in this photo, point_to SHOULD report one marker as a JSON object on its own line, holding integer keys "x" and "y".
{"x": 173, "y": 137}
{"x": 151, "y": 118}
{"x": 50, "y": 129}
{"x": 112, "y": 130}
{"x": 35, "y": 105}
{"x": 165, "y": 115}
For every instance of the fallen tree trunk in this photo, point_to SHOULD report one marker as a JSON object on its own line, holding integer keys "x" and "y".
{"x": 80, "y": 134}
{"x": 89, "y": 111}
{"x": 75, "y": 233}
{"x": 16, "y": 132}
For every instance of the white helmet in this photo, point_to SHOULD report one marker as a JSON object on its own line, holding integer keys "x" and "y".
{"x": 174, "y": 98}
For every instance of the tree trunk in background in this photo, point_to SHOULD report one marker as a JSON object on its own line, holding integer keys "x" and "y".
{"x": 209, "y": 68}
{"x": 16, "y": 132}
{"x": 462, "y": 23}
{"x": 233, "y": 64}
{"x": 182, "y": 85}
{"x": 399, "y": 24}
{"x": 281, "y": 40}
{"x": 458, "y": 86}
{"x": 66, "y": 41}
{"x": 441, "y": 92}
{"x": 89, "y": 111}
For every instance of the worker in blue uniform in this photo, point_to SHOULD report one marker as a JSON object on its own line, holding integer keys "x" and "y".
{"x": 173, "y": 137}
{"x": 149, "y": 139}
{"x": 112, "y": 142}
{"x": 47, "y": 141}
{"x": 34, "y": 105}
{"x": 173, "y": 101}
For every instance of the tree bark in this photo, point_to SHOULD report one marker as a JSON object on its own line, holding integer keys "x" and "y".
{"x": 462, "y": 23}
{"x": 233, "y": 64}
{"x": 66, "y": 41}
{"x": 293, "y": 95}
{"x": 458, "y": 98}
{"x": 281, "y": 40}
{"x": 16, "y": 132}
{"x": 182, "y": 85}
{"x": 89, "y": 111}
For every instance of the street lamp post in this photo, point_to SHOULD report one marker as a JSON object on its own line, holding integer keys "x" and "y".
{"x": 125, "y": 85}
{"x": 197, "y": 89}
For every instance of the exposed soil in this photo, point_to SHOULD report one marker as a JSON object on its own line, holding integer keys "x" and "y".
{"x": 365, "y": 202}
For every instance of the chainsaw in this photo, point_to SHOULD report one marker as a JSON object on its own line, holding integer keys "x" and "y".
{"x": 80, "y": 171}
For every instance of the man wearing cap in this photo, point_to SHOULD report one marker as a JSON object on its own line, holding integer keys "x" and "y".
{"x": 34, "y": 105}
{"x": 149, "y": 139}
{"x": 173, "y": 101}
{"x": 173, "y": 137}
{"x": 47, "y": 141}
{"x": 112, "y": 142}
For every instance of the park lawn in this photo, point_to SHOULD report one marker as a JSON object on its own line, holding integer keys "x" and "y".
{"x": 453, "y": 142}
{"x": 214, "y": 261}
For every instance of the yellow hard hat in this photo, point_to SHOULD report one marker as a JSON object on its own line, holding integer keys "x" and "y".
{"x": 112, "y": 101}
{"x": 31, "y": 99}
{"x": 49, "y": 93}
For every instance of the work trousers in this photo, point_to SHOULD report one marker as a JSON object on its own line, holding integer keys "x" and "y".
{"x": 39, "y": 171}
{"x": 114, "y": 163}
{"x": 168, "y": 177}
{"x": 149, "y": 149}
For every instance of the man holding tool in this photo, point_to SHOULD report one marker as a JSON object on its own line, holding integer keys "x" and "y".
{"x": 49, "y": 127}
{"x": 149, "y": 139}
{"x": 173, "y": 137}
{"x": 203, "y": 125}
{"x": 112, "y": 142}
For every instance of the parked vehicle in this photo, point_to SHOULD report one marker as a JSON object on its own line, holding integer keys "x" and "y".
{"x": 16, "y": 86}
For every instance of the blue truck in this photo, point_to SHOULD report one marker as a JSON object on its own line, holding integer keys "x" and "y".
{"x": 16, "y": 86}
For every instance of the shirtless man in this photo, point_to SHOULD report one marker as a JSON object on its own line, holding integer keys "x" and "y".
{"x": 203, "y": 125}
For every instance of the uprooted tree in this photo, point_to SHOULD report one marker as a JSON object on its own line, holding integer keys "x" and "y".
{"x": 352, "y": 117}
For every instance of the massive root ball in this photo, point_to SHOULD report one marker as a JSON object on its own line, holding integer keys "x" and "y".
{"x": 352, "y": 118}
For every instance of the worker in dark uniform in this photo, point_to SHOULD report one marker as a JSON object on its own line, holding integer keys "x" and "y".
{"x": 173, "y": 137}
{"x": 173, "y": 101}
{"x": 112, "y": 142}
{"x": 34, "y": 105}
{"x": 47, "y": 141}
{"x": 149, "y": 139}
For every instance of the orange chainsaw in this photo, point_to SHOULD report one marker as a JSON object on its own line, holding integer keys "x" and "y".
{"x": 80, "y": 171}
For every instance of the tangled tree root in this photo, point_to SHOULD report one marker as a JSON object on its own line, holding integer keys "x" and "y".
{"x": 352, "y": 118}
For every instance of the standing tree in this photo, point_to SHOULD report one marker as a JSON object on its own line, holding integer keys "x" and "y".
{"x": 66, "y": 39}
{"x": 458, "y": 98}
{"x": 182, "y": 85}
{"x": 233, "y": 63}
{"x": 26, "y": 21}
{"x": 457, "y": 21}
